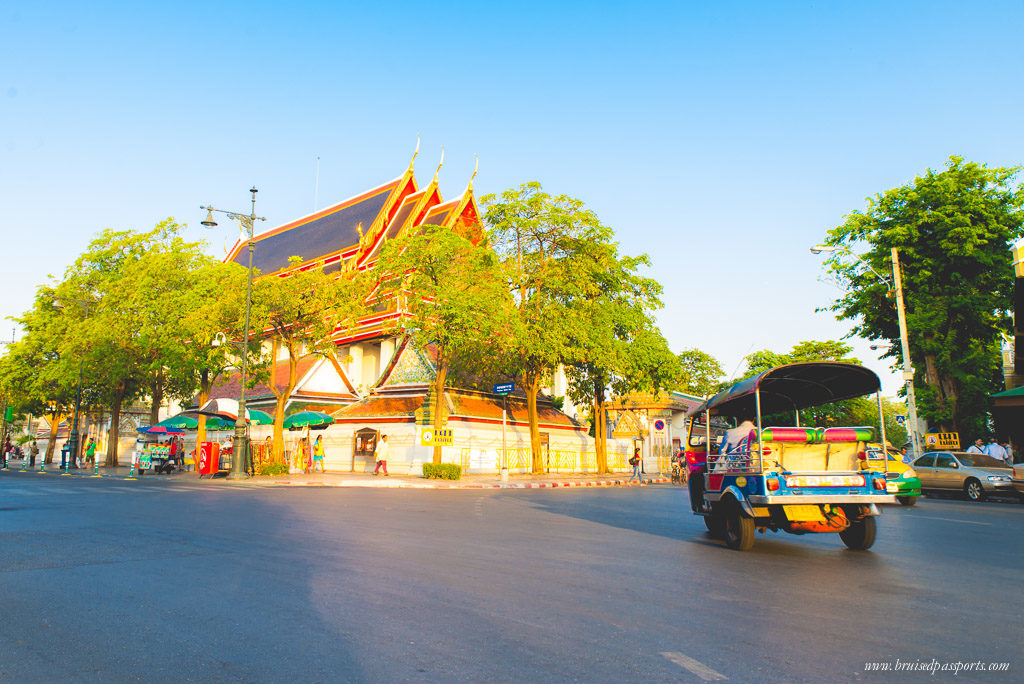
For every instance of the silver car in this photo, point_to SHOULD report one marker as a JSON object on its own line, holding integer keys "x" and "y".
{"x": 976, "y": 475}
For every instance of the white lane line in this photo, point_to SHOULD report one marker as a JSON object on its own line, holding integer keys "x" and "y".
{"x": 934, "y": 517}
{"x": 697, "y": 668}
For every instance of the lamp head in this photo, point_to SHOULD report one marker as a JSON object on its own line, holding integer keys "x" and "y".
{"x": 823, "y": 249}
{"x": 208, "y": 221}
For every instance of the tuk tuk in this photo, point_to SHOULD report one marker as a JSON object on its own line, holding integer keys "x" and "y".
{"x": 792, "y": 478}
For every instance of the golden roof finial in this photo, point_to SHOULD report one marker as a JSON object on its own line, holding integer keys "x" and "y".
{"x": 438, "y": 167}
{"x": 469, "y": 186}
{"x": 416, "y": 152}
{"x": 359, "y": 229}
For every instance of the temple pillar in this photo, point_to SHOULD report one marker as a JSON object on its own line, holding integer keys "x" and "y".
{"x": 354, "y": 367}
{"x": 387, "y": 350}
{"x": 371, "y": 365}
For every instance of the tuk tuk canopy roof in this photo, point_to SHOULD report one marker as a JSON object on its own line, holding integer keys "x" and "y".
{"x": 792, "y": 387}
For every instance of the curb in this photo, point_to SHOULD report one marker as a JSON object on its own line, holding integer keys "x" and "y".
{"x": 387, "y": 484}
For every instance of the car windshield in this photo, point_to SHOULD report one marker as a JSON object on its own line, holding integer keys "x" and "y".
{"x": 979, "y": 460}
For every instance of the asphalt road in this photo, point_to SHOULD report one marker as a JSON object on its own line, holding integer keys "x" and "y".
{"x": 108, "y": 580}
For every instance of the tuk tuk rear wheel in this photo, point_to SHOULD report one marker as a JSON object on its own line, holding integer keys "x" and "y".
{"x": 860, "y": 535}
{"x": 715, "y": 524}
{"x": 907, "y": 500}
{"x": 739, "y": 529}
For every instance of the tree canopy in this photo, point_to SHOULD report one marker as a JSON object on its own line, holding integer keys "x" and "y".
{"x": 456, "y": 300}
{"x": 953, "y": 229}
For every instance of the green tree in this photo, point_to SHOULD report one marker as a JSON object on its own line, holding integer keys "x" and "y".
{"x": 541, "y": 242}
{"x": 299, "y": 313}
{"x": 613, "y": 344}
{"x": 211, "y": 303}
{"x": 451, "y": 291}
{"x": 953, "y": 229}
{"x": 34, "y": 377}
{"x": 699, "y": 372}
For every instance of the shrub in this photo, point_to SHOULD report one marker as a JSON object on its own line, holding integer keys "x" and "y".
{"x": 271, "y": 468}
{"x": 442, "y": 471}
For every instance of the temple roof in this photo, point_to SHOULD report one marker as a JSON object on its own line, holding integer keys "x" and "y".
{"x": 324, "y": 232}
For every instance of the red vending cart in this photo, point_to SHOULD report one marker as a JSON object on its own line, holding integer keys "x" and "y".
{"x": 209, "y": 458}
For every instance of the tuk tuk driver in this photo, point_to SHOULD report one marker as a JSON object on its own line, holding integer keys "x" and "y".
{"x": 732, "y": 442}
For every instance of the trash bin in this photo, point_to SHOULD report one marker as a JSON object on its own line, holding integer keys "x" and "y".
{"x": 209, "y": 458}
{"x": 65, "y": 452}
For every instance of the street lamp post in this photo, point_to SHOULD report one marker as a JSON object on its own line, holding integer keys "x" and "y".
{"x": 895, "y": 286}
{"x": 241, "y": 445}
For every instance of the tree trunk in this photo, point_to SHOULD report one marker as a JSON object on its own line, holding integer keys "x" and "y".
{"x": 54, "y": 420}
{"x": 532, "y": 382}
{"x": 440, "y": 408}
{"x": 115, "y": 426}
{"x": 945, "y": 393}
{"x": 600, "y": 429}
{"x": 204, "y": 395}
{"x": 157, "y": 393}
{"x": 281, "y": 395}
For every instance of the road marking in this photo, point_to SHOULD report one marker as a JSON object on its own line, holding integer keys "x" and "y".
{"x": 697, "y": 668}
{"x": 933, "y": 517}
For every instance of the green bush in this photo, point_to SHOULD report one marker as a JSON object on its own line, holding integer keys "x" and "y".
{"x": 274, "y": 469}
{"x": 442, "y": 471}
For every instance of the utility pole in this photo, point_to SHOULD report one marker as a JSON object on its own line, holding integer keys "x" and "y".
{"x": 908, "y": 370}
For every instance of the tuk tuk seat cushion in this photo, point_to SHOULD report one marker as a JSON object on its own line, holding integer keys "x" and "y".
{"x": 848, "y": 434}
{"x": 801, "y": 435}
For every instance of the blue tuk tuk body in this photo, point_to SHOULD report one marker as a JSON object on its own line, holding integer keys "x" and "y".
{"x": 790, "y": 478}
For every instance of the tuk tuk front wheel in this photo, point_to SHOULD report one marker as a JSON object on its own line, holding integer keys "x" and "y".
{"x": 739, "y": 529}
{"x": 907, "y": 500}
{"x": 860, "y": 535}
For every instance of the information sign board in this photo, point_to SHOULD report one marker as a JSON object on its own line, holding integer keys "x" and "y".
{"x": 942, "y": 440}
{"x": 429, "y": 437}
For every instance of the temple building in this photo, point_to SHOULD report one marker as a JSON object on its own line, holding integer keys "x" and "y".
{"x": 378, "y": 379}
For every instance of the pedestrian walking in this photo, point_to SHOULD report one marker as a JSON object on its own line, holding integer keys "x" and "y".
{"x": 635, "y": 462}
{"x": 318, "y": 453}
{"x": 381, "y": 455}
{"x": 978, "y": 447}
{"x": 90, "y": 451}
{"x": 996, "y": 450}
{"x": 1009, "y": 452}
{"x": 33, "y": 451}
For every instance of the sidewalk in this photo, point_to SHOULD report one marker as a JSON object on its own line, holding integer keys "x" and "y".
{"x": 346, "y": 479}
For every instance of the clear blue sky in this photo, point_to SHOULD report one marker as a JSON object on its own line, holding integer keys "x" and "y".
{"x": 722, "y": 139}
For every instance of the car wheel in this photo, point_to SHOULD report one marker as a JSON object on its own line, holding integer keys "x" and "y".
{"x": 739, "y": 529}
{"x": 907, "y": 500}
{"x": 860, "y": 535}
{"x": 973, "y": 490}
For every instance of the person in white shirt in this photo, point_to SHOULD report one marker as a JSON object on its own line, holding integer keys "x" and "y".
{"x": 734, "y": 437}
{"x": 996, "y": 450}
{"x": 381, "y": 455}
{"x": 977, "y": 448}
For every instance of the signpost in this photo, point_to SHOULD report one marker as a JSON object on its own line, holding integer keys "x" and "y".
{"x": 504, "y": 389}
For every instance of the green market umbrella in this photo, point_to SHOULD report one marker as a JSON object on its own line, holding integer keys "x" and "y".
{"x": 314, "y": 419}
{"x": 179, "y": 421}
{"x": 257, "y": 417}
